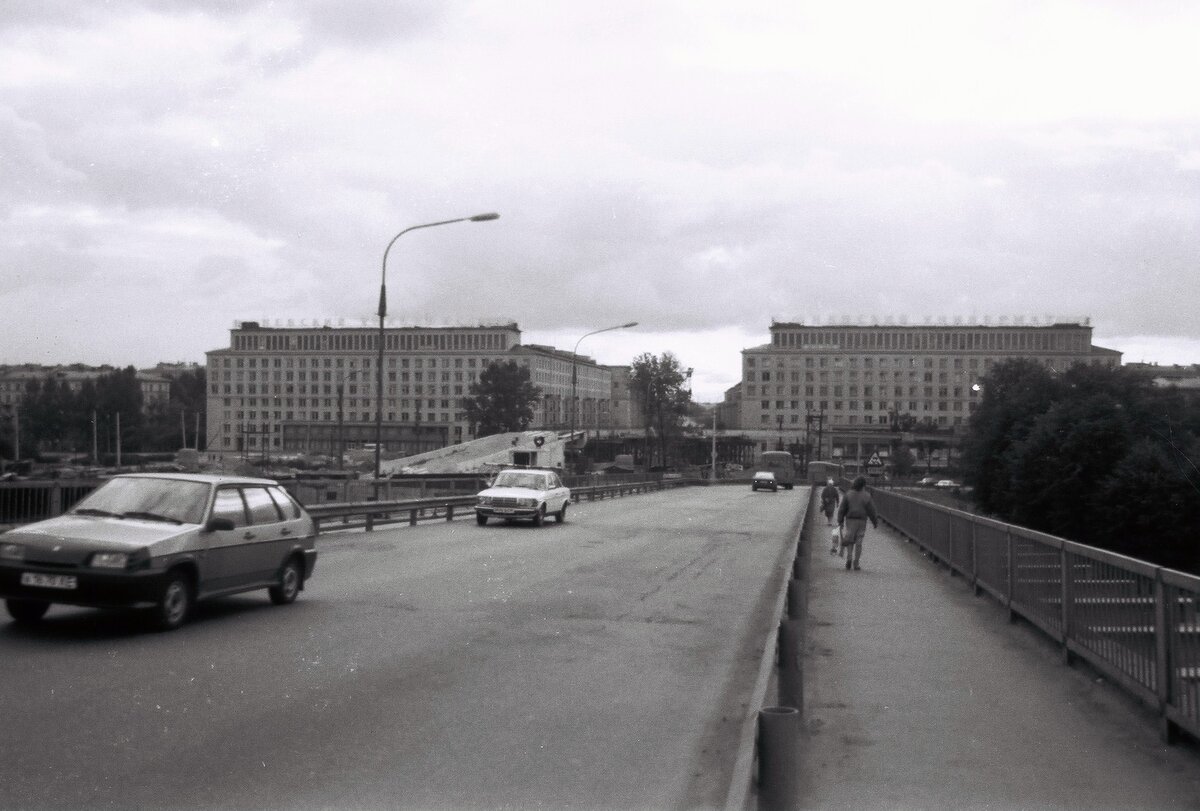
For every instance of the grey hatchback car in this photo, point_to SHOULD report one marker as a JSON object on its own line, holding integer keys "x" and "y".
{"x": 162, "y": 540}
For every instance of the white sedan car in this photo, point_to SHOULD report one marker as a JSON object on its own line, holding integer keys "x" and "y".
{"x": 525, "y": 494}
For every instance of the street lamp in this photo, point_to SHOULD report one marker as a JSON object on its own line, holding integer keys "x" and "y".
{"x": 383, "y": 314}
{"x": 574, "y": 370}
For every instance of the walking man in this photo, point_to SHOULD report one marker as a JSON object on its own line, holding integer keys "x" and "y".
{"x": 856, "y": 509}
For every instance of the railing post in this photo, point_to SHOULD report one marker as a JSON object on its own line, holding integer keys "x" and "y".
{"x": 1012, "y": 574}
{"x": 55, "y": 500}
{"x": 1164, "y": 623}
{"x": 791, "y": 664}
{"x": 412, "y": 516}
{"x": 975, "y": 558}
{"x": 950, "y": 542}
{"x": 1066, "y": 592}
{"x": 449, "y": 512}
{"x": 796, "y": 598}
{"x": 370, "y": 522}
{"x": 778, "y": 761}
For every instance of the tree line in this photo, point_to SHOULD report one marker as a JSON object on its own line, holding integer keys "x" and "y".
{"x": 54, "y": 418}
{"x": 1097, "y": 455}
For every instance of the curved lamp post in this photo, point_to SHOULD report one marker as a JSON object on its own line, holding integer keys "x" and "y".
{"x": 383, "y": 314}
{"x": 574, "y": 370}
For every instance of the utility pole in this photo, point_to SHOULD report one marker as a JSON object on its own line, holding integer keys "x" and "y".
{"x": 714, "y": 446}
{"x": 118, "y": 439}
{"x": 95, "y": 449}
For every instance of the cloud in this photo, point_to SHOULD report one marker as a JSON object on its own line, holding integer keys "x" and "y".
{"x": 698, "y": 167}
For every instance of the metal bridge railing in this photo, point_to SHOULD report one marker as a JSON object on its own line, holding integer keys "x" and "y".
{"x": 371, "y": 514}
{"x": 27, "y": 501}
{"x": 1134, "y": 622}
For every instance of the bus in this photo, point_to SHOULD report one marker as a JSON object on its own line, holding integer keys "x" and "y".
{"x": 820, "y": 472}
{"x": 782, "y": 465}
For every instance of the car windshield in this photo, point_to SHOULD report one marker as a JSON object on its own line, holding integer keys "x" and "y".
{"x": 513, "y": 478}
{"x": 163, "y": 499}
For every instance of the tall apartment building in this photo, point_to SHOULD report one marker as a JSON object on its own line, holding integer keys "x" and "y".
{"x": 313, "y": 390}
{"x": 856, "y": 380}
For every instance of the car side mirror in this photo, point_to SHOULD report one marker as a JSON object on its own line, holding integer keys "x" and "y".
{"x": 219, "y": 525}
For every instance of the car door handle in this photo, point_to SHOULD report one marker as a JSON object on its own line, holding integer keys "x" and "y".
{"x": 285, "y": 531}
{"x": 248, "y": 536}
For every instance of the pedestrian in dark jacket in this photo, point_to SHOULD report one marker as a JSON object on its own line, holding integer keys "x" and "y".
{"x": 856, "y": 509}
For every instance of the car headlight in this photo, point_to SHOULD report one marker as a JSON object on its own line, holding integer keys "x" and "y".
{"x": 120, "y": 560}
{"x": 110, "y": 560}
{"x": 12, "y": 551}
{"x": 486, "y": 501}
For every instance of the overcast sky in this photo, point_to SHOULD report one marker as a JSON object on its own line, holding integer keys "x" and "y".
{"x": 702, "y": 168}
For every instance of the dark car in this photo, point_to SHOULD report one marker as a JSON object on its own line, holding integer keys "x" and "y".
{"x": 162, "y": 540}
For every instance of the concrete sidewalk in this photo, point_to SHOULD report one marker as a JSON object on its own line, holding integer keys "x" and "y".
{"x": 920, "y": 695}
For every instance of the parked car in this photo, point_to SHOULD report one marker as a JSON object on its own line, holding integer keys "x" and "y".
{"x": 947, "y": 484}
{"x": 928, "y": 481}
{"x": 165, "y": 540}
{"x": 526, "y": 494}
{"x": 764, "y": 480}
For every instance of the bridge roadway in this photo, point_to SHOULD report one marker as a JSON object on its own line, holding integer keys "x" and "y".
{"x": 605, "y": 662}
{"x": 920, "y": 695}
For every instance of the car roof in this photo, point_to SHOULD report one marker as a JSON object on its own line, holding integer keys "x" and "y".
{"x": 205, "y": 478}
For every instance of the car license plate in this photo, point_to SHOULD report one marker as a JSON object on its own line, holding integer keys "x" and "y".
{"x": 48, "y": 581}
{"x": 503, "y": 510}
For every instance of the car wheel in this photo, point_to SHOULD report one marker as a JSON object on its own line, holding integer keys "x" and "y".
{"x": 480, "y": 519}
{"x": 539, "y": 516}
{"x": 290, "y": 579}
{"x": 561, "y": 515}
{"x": 27, "y": 611}
{"x": 174, "y": 602}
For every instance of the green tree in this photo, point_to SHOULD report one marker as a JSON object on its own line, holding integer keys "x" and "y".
{"x": 659, "y": 382}
{"x": 1097, "y": 455}
{"x": 1015, "y": 393}
{"x": 119, "y": 392}
{"x": 47, "y": 411}
{"x": 502, "y": 400}
{"x": 167, "y": 423}
{"x": 902, "y": 460}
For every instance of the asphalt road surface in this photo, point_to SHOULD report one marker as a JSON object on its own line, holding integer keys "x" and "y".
{"x": 602, "y": 663}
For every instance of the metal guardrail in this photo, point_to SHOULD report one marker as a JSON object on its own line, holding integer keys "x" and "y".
{"x": 23, "y": 502}
{"x": 371, "y": 514}
{"x": 28, "y": 500}
{"x": 1136, "y": 623}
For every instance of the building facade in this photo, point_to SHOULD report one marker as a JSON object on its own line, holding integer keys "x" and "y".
{"x": 278, "y": 391}
{"x": 848, "y": 383}
{"x": 155, "y": 388}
